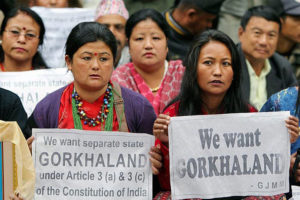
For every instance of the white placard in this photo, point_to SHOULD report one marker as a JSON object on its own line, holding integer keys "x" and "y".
{"x": 32, "y": 86}
{"x": 229, "y": 155}
{"x": 296, "y": 192}
{"x": 77, "y": 164}
{"x": 59, "y": 23}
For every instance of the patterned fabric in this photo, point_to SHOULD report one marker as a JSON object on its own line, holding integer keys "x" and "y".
{"x": 164, "y": 175}
{"x": 167, "y": 196}
{"x": 285, "y": 100}
{"x": 107, "y": 7}
{"x": 128, "y": 77}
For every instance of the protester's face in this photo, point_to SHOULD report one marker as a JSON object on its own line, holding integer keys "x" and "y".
{"x": 116, "y": 24}
{"x": 92, "y": 66}
{"x": 259, "y": 39}
{"x": 291, "y": 28}
{"x": 148, "y": 46}
{"x": 201, "y": 22}
{"x": 51, "y": 3}
{"x": 214, "y": 70}
{"x": 20, "y": 38}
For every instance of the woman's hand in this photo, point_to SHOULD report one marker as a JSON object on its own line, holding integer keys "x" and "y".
{"x": 15, "y": 197}
{"x": 292, "y": 123}
{"x": 29, "y": 143}
{"x": 156, "y": 159}
{"x": 160, "y": 128}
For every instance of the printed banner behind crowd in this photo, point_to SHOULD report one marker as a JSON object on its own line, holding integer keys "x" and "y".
{"x": 33, "y": 86}
{"x": 229, "y": 155}
{"x": 59, "y": 23}
{"x": 77, "y": 164}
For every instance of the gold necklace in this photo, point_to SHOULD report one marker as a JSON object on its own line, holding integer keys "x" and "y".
{"x": 155, "y": 89}
{"x": 165, "y": 71}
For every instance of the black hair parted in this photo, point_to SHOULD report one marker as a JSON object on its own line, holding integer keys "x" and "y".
{"x": 144, "y": 14}
{"x": 86, "y": 32}
{"x": 265, "y": 12}
{"x": 190, "y": 96}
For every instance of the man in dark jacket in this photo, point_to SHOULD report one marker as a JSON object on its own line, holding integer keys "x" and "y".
{"x": 289, "y": 38}
{"x": 264, "y": 72}
{"x": 186, "y": 20}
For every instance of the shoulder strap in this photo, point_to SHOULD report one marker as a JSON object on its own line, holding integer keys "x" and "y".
{"x": 119, "y": 106}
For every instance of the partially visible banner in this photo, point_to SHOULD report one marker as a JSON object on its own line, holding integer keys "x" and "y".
{"x": 77, "y": 164}
{"x": 59, "y": 23}
{"x": 33, "y": 86}
{"x": 227, "y": 155}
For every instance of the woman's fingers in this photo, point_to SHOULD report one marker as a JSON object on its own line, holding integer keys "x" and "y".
{"x": 292, "y": 123}
{"x": 160, "y": 127}
{"x": 29, "y": 143}
{"x": 155, "y": 159}
{"x": 15, "y": 197}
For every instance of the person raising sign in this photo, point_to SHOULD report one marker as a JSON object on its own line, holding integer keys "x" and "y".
{"x": 22, "y": 31}
{"x": 210, "y": 85}
{"x": 92, "y": 101}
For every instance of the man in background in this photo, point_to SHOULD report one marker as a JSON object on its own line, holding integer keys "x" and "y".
{"x": 113, "y": 14}
{"x": 289, "y": 37}
{"x": 186, "y": 20}
{"x": 264, "y": 72}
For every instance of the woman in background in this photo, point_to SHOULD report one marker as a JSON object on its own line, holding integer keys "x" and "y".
{"x": 22, "y": 31}
{"x": 149, "y": 73}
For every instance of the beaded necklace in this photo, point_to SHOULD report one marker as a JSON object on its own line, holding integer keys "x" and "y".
{"x": 106, "y": 111}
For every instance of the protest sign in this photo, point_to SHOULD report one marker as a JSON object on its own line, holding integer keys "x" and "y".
{"x": 33, "y": 86}
{"x": 229, "y": 155}
{"x": 58, "y": 24}
{"x": 77, "y": 164}
{"x": 296, "y": 192}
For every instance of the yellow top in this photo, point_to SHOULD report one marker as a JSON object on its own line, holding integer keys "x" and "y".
{"x": 10, "y": 131}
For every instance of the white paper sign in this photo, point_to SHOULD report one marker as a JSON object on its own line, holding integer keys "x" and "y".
{"x": 33, "y": 86}
{"x": 59, "y": 23}
{"x": 229, "y": 155}
{"x": 296, "y": 192}
{"x": 76, "y": 164}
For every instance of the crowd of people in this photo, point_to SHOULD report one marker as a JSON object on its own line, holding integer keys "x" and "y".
{"x": 135, "y": 70}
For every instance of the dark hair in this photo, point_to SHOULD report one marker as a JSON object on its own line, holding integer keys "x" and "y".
{"x": 7, "y": 5}
{"x": 265, "y": 12}
{"x": 74, "y": 4}
{"x": 37, "y": 60}
{"x": 209, "y": 6}
{"x": 86, "y": 32}
{"x": 190, "y": 93}
{"x": 142, "y": 15}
